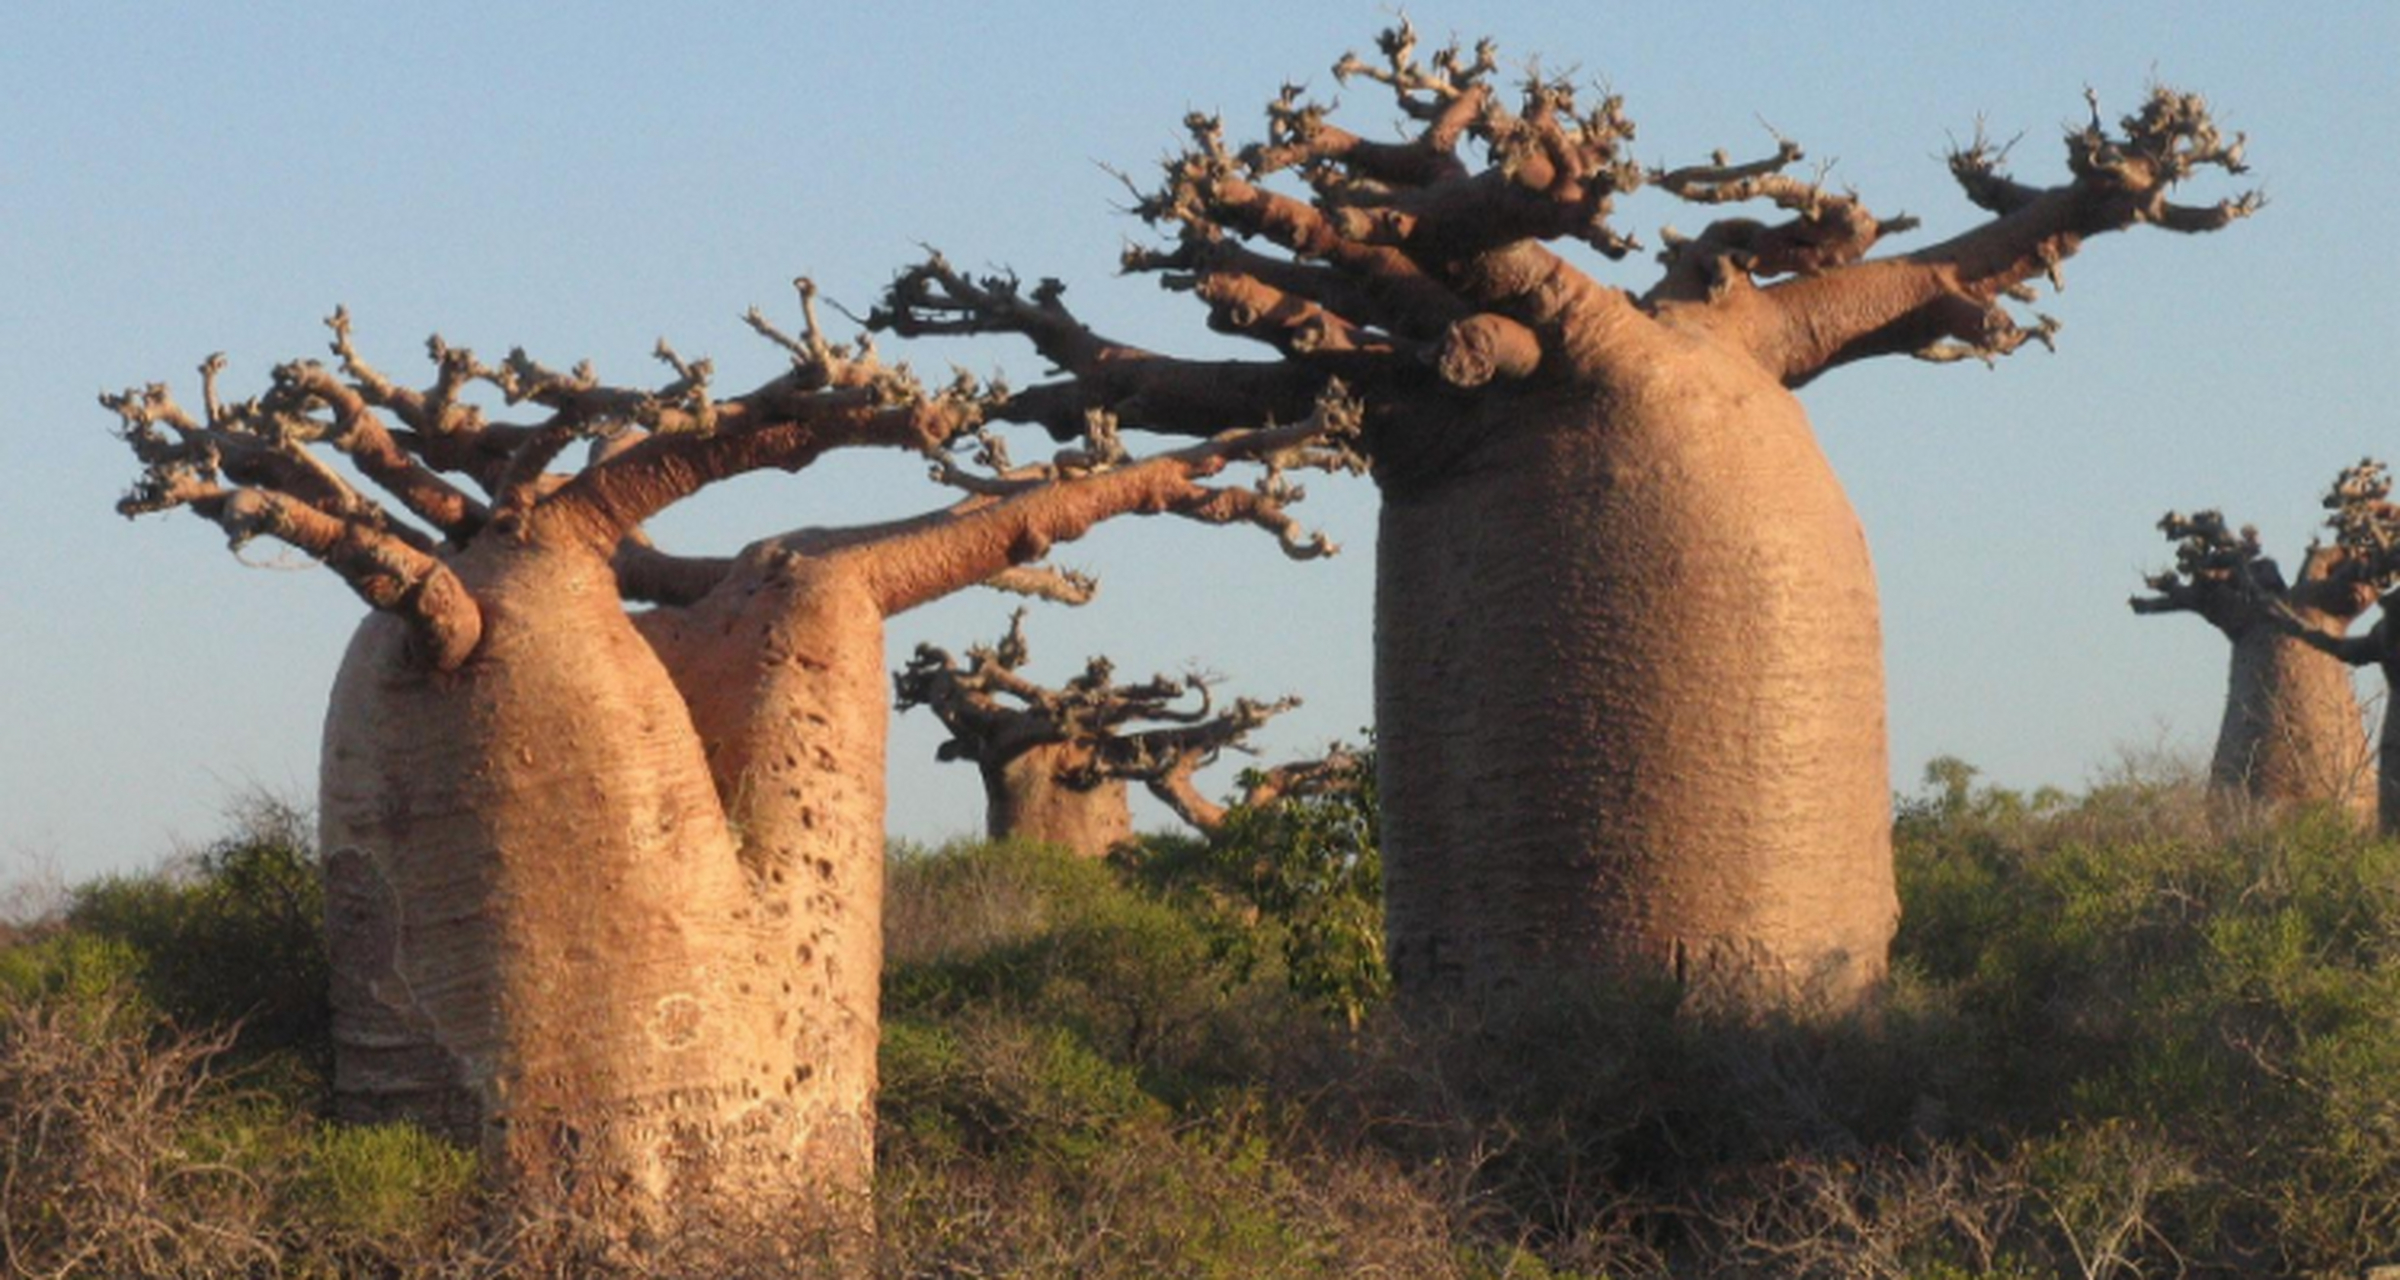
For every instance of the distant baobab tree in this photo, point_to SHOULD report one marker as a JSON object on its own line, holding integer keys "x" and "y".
{"x": 1629, "y": 680}
{"x": 2292, "y": 732}
{"x": 605, "y": 884}
{"x": 1056, "y": 760}
{"x": 2366, "y": 534}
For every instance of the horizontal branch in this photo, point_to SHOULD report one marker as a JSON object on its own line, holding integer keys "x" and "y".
{"x": 1944, "y": 302}
{"x": 2373, "y": 647}
{"x": 647, "y": 575}
{"x": 974, "y": 541}
{"x": 392, "y": 576}
{"x": 786, "y": 431}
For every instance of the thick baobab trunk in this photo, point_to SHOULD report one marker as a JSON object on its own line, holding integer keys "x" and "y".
{"x": 2387, "y": 755}
{"x": 1629, "y": 695}
{"x": 548, "y": 942}
{"x": 2292, "y": 732}
{"x": 1034, "y": 796}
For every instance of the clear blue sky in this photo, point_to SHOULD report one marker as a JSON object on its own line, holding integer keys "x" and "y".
{"x": 583, "y": 179}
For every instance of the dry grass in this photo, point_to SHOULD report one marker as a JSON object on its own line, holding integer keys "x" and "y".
{"x": 98, "y": 1174}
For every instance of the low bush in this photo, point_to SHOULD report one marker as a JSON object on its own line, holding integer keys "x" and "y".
{"x": 1295, "y": 886}
{"x": 2126, "y": 1035}
{"x": 233, "y": 935}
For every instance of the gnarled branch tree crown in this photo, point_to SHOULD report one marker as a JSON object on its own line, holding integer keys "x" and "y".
{"x": 1418, "y": 271}
{"x": 259, "y": 467}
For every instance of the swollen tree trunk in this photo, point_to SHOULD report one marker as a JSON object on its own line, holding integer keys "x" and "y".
{"x": 1039, "y": 795}
{"x": 2293, "y": 733}
{"x": 548, "y": 941}
{"x": 1629, "y": 694}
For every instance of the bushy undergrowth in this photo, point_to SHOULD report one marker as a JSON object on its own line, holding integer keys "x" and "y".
{"x": 2125, "y": 1036}
{"x": 1297, "y": 885}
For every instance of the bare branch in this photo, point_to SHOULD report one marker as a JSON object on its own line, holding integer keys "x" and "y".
{"x": 2217, "y": 570}
{"x": 1026, "y": 514}
{"x": 1043, "y": 582}
{"x": 385, "y": 571}
{"x": 1828, "y": 230}
{"x": 1139, "y": 387}
{"x": 240, "y": 442}
{"x": 1951, "y": 292}
{"x": 302, "y": 386}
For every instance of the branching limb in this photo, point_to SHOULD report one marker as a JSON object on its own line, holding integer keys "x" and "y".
{"x": 2218, "y": 570}
{"x": 1428, "y": 93}
{"x": 1167, "y": 760}
{"x": 612, "y": 497}
{"x": 1303, "y": 330}
{"x": 445, "y": 433}
{"x": 995, "y": 714}
{"x": 1203, "y": 252}
{"x": 974, "y": 541}
{"x": 935, "y": 298}
{"x": 385, "y": 571}
{"x": 831, "y": 397}
{"x": 992, "y": 713}
{"x": 1940, "y": 299}
{"x": 1827, "y": 229}
{"x": 1043, "y": 582}
{"x": 1299, "y": 136}
{"x": 301, "y": 387}
{"x": 1140, "y": 388}
{"x": 1207, "y": 194}
{"x": 244, "y": 443}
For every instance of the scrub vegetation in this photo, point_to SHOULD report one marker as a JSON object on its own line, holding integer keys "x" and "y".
{"x": 2126, "y": 1034}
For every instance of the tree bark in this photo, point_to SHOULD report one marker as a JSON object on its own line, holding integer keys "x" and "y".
{"x": 2293, "y": 732}
{"x": 1629, "y": 697}
{"x": 1030, "y": 797}
{"x": 548, "y": 941}
{"x": 2387, "y": 755}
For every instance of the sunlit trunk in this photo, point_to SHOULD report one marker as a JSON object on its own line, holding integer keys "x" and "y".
{"x": 1629, "y": 692}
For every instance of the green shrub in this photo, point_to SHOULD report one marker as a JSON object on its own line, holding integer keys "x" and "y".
{"x": 235, "y": 935}
{"x": 1066, "y": 941}
{"x": 74, "y": 969}
{"x": 1298, "y": 885}
{"x": 391, "y": 1186}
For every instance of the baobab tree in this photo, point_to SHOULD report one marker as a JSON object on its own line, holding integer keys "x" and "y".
{"x": 604, "y": 886}
{"x": 1629, "y": 686}
{"x": 2366, "y": 534}
{"x": 2292, "y": 732}
{"x": 1056, "y": 761}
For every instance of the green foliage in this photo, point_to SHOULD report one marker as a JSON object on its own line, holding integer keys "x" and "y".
{"x": 392, "y": 1186}
{"x": 1302, "y": 880}
{"x": 991, "y": 1086}
{"x": 79, "y": 971}
{"x": 2196, "y": 1025}
{"x": 1033, "y": 930}
{"x": 236, "y": 934}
